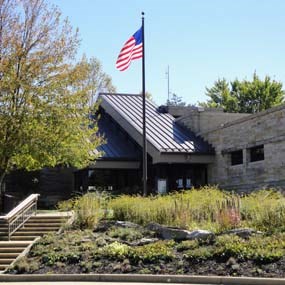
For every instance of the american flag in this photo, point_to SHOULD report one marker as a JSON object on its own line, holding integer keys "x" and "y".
{"x": 132, "y": 49}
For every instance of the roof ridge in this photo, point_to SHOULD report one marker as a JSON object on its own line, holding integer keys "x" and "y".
{"x": 118, "y": 94}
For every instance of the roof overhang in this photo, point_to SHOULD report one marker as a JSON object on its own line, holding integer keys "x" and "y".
{"x": 183, "y": 158}
{"x": 113, "y": 164}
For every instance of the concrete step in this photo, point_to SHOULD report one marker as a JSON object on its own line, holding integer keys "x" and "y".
{"x": 3, "y": 266}
{"x": 38, "y": 229}
{"x": 35, "y": 225}
{"x": 47, "y": 219}
{"x": 11, "y": 249}
{"x": 8, "y": 255}
{"x": 6, "y": 260}
{"x": 29, "y": 233}
{"x": 15, "y": 244}
{"x": 23, "y": 238}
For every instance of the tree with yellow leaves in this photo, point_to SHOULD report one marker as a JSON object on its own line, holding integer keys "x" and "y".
{"x": 44, "y": 95}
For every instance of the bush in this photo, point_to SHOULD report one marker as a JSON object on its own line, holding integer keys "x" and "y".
{"x": 207, "y": 208}
{"x": 161, "y": 250}
{"x": 128, "y": 234}
{"x": 188, "y": 209}
{"x": 257, "y": 248}
{"x": 89, "y": 208}
{"x": 264, "y": 210}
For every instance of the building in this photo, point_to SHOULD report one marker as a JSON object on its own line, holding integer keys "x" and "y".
{"x": 249, "y": 149}
{"x": 186, "y": 146}
{"x": 177, "y": 158}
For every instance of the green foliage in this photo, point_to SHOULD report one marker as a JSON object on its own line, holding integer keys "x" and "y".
{"x": 23, "y": 265}
{"x": 89, "y": 208}
{"x": 128, "y": 234}
{"x": 207, "y": 208}
{"x": 187, "y": 244}
{"x": 115, "y": 250}
{"x": 201, "y": 253}
{"x": 245, "y": 96}
{"x": 257, "y": 248}
{"x": 45, "y": 95}
{"x": 154, "y": 252}
{"x": 189, "y": 209}
{"x": 264, "y": 210}
{"x": 175, "y": 100}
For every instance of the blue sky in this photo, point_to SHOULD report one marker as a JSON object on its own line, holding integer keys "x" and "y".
{"x": 200, "y": 40}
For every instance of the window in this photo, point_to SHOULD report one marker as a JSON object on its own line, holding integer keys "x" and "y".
{"x": 236, "y": 157}
{"x": 257, "y": 153}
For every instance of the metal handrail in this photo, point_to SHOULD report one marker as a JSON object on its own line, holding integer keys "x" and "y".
{"x": 17, "y": 217}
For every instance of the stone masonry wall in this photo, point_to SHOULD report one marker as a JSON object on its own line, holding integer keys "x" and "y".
{"x": 265, "y": 128}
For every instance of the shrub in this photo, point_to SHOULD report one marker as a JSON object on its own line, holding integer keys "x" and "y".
{"x": 154, "y": 252}
{"x": 200, "y": 253}
{"x": 24, "y": 265}
{"x": 188, "y": 209}
{"x": 257, "y": 248}
{"x": 115, "y": 250}
{"x": 89, "y": 208}
{"x": 264, "y": 210}
{"x": 187, "y": 244}
{"x": 127, "y": 234}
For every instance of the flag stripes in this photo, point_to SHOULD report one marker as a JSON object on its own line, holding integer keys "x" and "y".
{"x": 131, "y": 50}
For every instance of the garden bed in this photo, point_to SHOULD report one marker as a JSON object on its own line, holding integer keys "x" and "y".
{"x": 117, "y": 249}
{"x": 98, "y": 243}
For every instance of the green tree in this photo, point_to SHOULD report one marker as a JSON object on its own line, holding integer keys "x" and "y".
{"x": 245, "y": 96}
{"x": 175, "y": 100}
{"x": 44, "y": 95}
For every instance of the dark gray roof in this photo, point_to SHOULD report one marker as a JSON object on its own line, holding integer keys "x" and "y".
{"x": 118, "y": 145}
{"x": 162, "y": 130}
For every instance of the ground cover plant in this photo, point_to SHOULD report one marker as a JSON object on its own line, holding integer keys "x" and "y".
{"x": 98, "y": 243}
{"x": 86, "y": 251}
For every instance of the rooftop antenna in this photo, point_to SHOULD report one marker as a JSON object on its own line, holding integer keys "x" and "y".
{"x": 167, "y": 76}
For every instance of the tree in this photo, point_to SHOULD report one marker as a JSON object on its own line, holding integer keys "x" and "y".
{"x": 175, "y": 100}
{"x": 245, "y": 96}
{"x": 44, "y": 95}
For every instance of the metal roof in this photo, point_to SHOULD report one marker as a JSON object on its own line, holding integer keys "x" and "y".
{"x": 118, "y": 145}
{"x": 161, "y": 129}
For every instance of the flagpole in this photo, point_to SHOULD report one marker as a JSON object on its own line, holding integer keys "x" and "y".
{"x": 144, "y": 111}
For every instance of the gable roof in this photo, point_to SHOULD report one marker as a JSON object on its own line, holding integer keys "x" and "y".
{"x": 162, "y": 132}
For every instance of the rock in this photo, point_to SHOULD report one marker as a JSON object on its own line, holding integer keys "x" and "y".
{"x": 243, "y": 233}
{"x": 178, "y": 234}
{"x": 235, "y": 267}
{"x": 144, "y": 241}
{"x": 200, "y": 234}
{"x": 126, "y": 224}
{"x": 231, "y": 261}
{"x": 103, "y": 226}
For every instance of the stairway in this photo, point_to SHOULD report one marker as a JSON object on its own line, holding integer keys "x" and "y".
{"x": 35, "y": 227}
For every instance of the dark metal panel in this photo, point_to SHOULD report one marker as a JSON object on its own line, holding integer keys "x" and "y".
{"x": 117, "y": 144}
{"x": 162, "y": 130}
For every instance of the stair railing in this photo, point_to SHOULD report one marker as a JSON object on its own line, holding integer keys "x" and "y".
{"x": 17, "y": 217}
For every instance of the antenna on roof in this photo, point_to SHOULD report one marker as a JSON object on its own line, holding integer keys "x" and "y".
{"x": 167, "y": 76}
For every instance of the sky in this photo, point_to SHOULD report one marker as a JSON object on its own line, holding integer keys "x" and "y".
{"x": 200, "y": 40}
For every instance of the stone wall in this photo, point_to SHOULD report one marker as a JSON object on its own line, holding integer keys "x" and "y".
{"x": 200, "y": 120}
{"x": 265, "y": 128}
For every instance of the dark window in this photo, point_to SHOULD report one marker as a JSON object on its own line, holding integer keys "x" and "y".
{"x": 236, "y": 157}
{"x": 257, "y": 153}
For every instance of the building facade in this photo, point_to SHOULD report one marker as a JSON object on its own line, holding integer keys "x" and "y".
{"x": 249, "y": 149}
{"x": 186, "y": 147}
